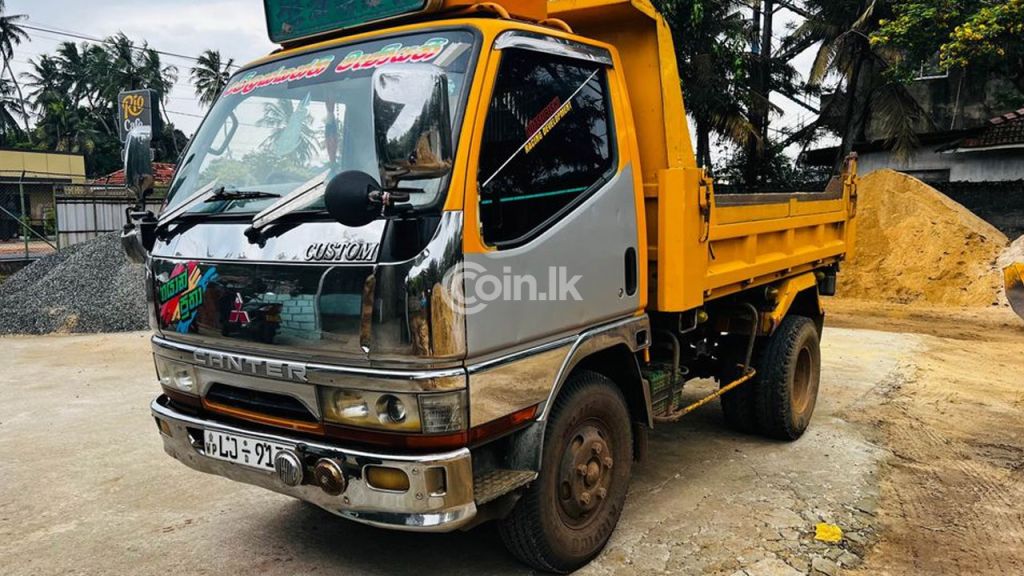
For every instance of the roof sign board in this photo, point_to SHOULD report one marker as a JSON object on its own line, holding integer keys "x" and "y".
{"x": 291, "y": 20}
{"x": 135, "y": 109}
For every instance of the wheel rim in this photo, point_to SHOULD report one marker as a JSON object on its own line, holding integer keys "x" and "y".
{"x": 802, "y": 375}
{"x": 586, "y": 474}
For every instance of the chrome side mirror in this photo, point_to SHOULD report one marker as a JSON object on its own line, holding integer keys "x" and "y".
{"x": 132, "y": 244}
{"x": 138, "y": 162}
{"x": 137, "y": 239}
{"x": 412, "y": 123}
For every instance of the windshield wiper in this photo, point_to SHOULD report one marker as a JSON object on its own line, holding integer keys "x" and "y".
{"x": 201, "y": 196}
{"x": 292, "y": 202}
{"x": 222, "y": 195}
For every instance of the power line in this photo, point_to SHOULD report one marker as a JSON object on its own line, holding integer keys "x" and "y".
{"x": 81, "y": 36}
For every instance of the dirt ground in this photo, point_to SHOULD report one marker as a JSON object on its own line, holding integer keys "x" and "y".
{"x": 916, "y": 451}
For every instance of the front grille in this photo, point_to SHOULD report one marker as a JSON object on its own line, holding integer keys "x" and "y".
{"x": 266, "y": 403}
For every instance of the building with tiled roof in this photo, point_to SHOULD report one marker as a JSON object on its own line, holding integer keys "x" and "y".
{"x": 1004, "y": 132}
{"x": 162, "y": 172}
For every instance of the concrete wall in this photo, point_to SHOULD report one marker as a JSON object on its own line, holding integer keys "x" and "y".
{"x": 991, "y": 166}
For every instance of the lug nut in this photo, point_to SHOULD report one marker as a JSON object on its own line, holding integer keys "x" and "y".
{"x": 608, "y": 462}
{"x": 598, "y": 449}
{"x": 581, "y": 469}
{"x": 601, "y": 493}
{"x": 585, "y": 498}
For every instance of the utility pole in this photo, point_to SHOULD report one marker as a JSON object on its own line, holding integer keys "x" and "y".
{"x": 760, "y": 88}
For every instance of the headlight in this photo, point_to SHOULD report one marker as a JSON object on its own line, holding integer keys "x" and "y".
{"x": 176, "y": 375}
{"x": 410, "y": 413}
{"x": 392, "y": 412}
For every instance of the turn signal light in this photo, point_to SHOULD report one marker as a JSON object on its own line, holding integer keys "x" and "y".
{"x": 384, "y": 478}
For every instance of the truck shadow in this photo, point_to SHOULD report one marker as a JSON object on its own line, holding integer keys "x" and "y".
{"x": 322, "y": 539}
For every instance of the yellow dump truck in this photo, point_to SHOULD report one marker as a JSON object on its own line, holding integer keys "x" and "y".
{"x": 439, "y": 262}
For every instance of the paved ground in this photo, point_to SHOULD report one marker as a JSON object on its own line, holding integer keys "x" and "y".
{"x": 15, "y": 249}
{"x": 917, "y": 451}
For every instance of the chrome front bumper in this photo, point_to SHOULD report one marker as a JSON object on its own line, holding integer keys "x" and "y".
{"x": 414, "y": 510}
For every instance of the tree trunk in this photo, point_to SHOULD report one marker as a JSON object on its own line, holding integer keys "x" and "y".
{"x": 858, "y": 99}
{"x": 754, "y": 146}
{"x": 21, "y": 99}
{"x": 703, "y": 144}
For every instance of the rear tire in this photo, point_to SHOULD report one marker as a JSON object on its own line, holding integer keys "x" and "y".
{"x": 566, "y": 517}
{"x": 789, "y": 373}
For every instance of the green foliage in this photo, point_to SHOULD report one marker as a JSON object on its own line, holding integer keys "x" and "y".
{"x": 711, "y": 41}
{"x": 210, "y": 76}
{"x": 985, "y": 35}
{"x": 74, "y": 94}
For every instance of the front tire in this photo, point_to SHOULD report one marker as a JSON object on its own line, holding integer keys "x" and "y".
{"x": 567, "y": 515}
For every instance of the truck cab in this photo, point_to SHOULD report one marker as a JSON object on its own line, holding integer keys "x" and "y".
{"x": 428, "y": 269}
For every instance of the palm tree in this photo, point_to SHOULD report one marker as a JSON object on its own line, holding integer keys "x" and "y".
{"x": 293, "y": 134}
{"x": 9, "y": 112}
{"x": 46, "y": 79}
{"x": 11, "y": 35}
{"x": 866, "y": 93}
{"x": 210, "y": 76}
{"x": 711, "y": 42}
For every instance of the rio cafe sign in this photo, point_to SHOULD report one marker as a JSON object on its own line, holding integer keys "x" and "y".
{"x": 137, "y": 108}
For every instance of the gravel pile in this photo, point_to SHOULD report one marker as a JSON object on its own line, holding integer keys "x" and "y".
{"x": 89, "y": 287}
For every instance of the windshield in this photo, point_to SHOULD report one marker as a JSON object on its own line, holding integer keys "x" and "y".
{"x": 282, "y": 124}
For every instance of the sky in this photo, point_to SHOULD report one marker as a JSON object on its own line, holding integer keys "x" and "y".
{"x": 235, "y": 27}
{"x": 187, "y": 27}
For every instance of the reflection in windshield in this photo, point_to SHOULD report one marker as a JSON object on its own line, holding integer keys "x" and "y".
{"x": 284, "y": 123}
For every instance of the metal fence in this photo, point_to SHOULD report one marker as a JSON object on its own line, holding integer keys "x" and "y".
{"x": 85, "y": 212}
{"x": 40, "y": 217}
{"x": 28, "y": 219}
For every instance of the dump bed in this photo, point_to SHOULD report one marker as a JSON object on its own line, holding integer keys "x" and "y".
{"x": 703, "y": 246}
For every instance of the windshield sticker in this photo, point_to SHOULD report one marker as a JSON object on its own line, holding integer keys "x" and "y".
{"x": 252, "y": 81}
{"x": 548, "y": 126}
{"x": 181, "y": 296}
{"x": 392, "y": 54}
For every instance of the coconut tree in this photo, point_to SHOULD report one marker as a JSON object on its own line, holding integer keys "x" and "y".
{"x": 210, "y": 76}
{"x": 292, "y": 136}
{"x": 711, "y": 39}
{"x": 11, "y": 35}
{"x": 865, "y": 90}
{"x": 10, "y": 112}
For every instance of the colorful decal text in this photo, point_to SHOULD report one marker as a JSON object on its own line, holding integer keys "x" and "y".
{"x": 252, "y": 81}
{"x": 392, "y": 54}
{"x": 182, "y": 295}
{"x": 548, "y": 126}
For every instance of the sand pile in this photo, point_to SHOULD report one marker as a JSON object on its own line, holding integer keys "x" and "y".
{"x": 916, "y": 246}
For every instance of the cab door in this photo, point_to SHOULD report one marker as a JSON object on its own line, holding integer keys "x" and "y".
{"x": 552, "y": 219}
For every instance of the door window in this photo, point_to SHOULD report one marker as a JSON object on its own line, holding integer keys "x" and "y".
{"x": 546, "y": 144}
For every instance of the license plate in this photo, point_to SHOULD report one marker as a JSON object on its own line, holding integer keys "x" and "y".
{"x": 241, "y": 449}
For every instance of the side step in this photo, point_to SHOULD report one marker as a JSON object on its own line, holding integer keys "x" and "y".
{"x": 494, "y": 484}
